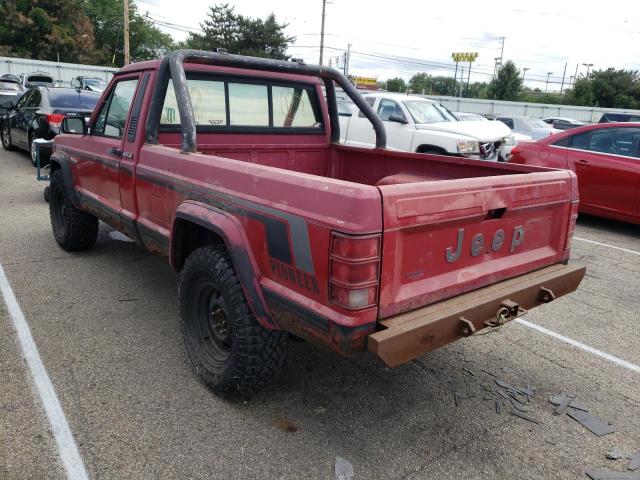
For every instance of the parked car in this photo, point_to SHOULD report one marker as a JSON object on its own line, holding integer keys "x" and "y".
{"x": 417, "y": 124}
{"x": 276, "y": 228}
{"x": 513, "y": 140}
{"x": 12, "y": 77}
{"x": 562, "y": 123}
{"x": 39, "y": 113}
{"x": 93, "y": 84}
{"x": 10, "y": 90}
{"x": 470, "y": 117}
{"x": 36, "y": 79}
{"x": 532, "y": 127}
{"x": 619, "y": 117}
{"x": 606, "y": 159}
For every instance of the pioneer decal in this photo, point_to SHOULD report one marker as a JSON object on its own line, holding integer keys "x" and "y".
{"x": 478, "y": 241}
{"x": 293, "y": 275}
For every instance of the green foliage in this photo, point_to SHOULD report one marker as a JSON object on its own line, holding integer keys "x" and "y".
{"x": 396, "y": 85}
{"x": 241, "y": 35}
{"x": 146, "y": 41}
{"x": 507, "y": 84}
{"x": 46, "y": 29}
{"x": 419, "y": 83}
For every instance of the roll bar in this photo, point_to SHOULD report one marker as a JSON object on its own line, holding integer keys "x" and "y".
{"x": 172, "y": 65}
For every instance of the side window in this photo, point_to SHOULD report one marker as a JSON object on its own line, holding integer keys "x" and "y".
{"x": 248, "y": 105}
{"x": 388, "y": 108}
{"x": 292, "y": 107}
{"x": 602, "y": 141}
{"x": 370, "y": 101}
{"x": 507, "y": 121}
{"x": 207, "y": 99}
{"x": 580, "y": 141}
{"x": 113, "y": 116}
{"x": 616, "y": 141}
{"x": 564, "y": 142}
{"x": 34, "y": 99}
{"x": 24, "y": 99}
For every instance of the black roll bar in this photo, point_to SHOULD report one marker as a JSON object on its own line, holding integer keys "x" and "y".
{"x": 172, "y": 65}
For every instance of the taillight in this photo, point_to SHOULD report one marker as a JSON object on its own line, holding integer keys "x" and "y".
{"x": 573, "y": 217}
{"x": 54, "y": 119}
{"x": 354, "y": 270}
{"x": 516, "y": 150}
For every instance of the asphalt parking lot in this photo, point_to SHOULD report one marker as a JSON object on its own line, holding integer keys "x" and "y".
{"x": 105, "y": 325}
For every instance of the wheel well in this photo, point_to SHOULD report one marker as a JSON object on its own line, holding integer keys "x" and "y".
{"x": 189, "y": 236}
{"x": 430, "y": 148}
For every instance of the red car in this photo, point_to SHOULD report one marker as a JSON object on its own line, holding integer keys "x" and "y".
{"x": 606, "y": 159}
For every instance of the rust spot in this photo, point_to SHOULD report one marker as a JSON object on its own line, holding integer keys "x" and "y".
{"x": 286, "y": 425}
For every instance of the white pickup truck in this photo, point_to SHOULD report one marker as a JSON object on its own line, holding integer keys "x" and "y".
{"x": 417, "y": 124}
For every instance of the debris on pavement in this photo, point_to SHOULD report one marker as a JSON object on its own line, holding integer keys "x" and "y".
{"x": 634, "y": 464}
{"x": 591, "y": 422}
{"x": 566, "y": 401}
{"x": 344, "y": 469}
{"x": 525, "y": 417}
{"x": 612, "y": 475}
{"x": 557, "y": 400}
{"x": 615, "y": 454}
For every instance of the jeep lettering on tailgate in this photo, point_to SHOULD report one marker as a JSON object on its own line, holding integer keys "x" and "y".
{"x": 477, "y": 243}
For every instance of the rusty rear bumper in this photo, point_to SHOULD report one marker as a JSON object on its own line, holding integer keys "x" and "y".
{"x": 414, "y": 333}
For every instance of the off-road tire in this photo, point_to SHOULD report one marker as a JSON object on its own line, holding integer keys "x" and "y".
{"x": 5, "y": 136}
{"x": 73, "y": 229}
{"x": 232, "y": 353}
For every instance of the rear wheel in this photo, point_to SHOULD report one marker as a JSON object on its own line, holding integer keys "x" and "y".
{"x": 231, "y": 352}
{"x": 33, "y": 152}
{"x": 5, "y": 136}
{"x": 73, "y": 229}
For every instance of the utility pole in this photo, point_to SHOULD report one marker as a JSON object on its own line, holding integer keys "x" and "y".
{"x": 502, "y": 52}
{"x": 324, "y": 4}
{"x": 126, "y": 31}
{"x": 461, "y": 81}
{"x": 563, "y": 75}
{"x": 546, "y": 86}
{"x": 575, "y": 76}
{"x": 496, "y": 65}
{"x": 588, "y": 65}
{"x": 347, "y": 58}
{"x": 524, "y": 72}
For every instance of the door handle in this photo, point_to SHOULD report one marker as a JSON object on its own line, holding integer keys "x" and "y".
{"x": 115, "y": 151}
{"x": 582, "y": 162}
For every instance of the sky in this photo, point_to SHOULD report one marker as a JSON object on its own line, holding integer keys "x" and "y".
{"x": 420, "y": 36}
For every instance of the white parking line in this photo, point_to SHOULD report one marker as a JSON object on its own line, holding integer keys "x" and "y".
{"x": 633, "y": 252}
{"x": 67, "y": 448}
{"x": 575, "y": 343}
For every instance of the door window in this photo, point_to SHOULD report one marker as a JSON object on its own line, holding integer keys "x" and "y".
{"x": 34, "y": 99}
{"x": 507, "y": 121}
{"x": 612, "y": 141}
{"x": 370, "y": 101}
{"x": 113, "y": 115}
{"x": 389, "y": 107}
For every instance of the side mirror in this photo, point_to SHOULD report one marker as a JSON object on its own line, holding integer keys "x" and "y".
{"x": 394, "y": 117}
{"x": 75, "y": 125}
{"x": 9, "y": 105}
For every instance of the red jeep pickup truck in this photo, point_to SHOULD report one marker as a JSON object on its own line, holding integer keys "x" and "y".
{"x": 231, "y": 167}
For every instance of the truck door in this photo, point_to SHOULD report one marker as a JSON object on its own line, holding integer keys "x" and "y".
{"x": 399, "y": 134}
{"x": 98, "y": 167}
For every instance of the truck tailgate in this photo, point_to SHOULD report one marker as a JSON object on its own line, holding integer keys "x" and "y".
{"x": 443, "y": 238}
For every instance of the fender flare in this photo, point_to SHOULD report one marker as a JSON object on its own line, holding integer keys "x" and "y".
{"x": 230, "y": 230}
{"x": 63, "y": 160}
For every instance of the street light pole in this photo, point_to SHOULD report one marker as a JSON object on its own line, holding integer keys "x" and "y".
{"x": 588, "y": 65}
{"x": 524, "y": 72}
{"x": 546, "y": 87}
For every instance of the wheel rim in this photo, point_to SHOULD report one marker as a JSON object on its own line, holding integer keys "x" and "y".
{"x": 56, "y": 200}
{"x": 32, "y": 149}
{"x": 5, "y": 136}
{"x": 210, "y": 326}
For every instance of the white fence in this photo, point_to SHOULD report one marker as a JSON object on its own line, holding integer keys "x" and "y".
{"x": 61, "y": 72}
{"x": 537, "y": 110}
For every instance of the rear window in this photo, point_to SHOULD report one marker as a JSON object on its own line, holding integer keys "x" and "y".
{"x": 40, "y": 79}
{"x": 238, "y": 105}
{"x": 73, "y": 99}
{"x": 14, "y": 87}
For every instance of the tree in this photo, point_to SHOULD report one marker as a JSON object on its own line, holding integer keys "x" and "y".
{"x": 241, "y": 35}
{"x": 46, "y": 30}
{"x": 419, "y": 83}
{"x": 146, "y": 41}
{"x": 508, "y": 83}
{"x": 396, "y": 85}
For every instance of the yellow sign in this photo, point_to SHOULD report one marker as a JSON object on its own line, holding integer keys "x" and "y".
{"x": 364, "y": 80}
{"x": 464, "y": 56}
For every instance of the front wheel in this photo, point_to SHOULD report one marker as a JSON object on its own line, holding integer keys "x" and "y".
{"x": 231, "y": 352}
{"x": 73, "y": 229}
{"x": 5, "y": 136}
